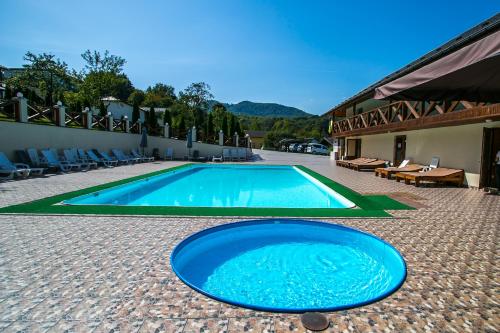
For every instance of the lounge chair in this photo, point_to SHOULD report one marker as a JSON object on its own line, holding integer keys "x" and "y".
{"x": 71, "y": 157}
{"x": 35, "y": 159}
{"x": 23, "y": 156}
{"x": 234, "y": 154}
{"x": 388, "y": 172}
{"x": 433, "y": 165}
{"x": 99, "y": 160}
{"x": 196, "y": 157}
{"x": 53, "y": 161}
{"x": 108, "y": 158}
{"x": 217, "y": 159}
{"x": 122, "y": 157}
{"x": 84, "y": 157}
{"x": 362, "y": 160}
{"x": 169, "y": 154}
{"x": 8, "y": 169}
{"x": 142, "y": 158}
{"x": 242, "y": 154}
{"x": 226, "y": 154}
{"x": 346, "y": 163}
{"x": 372, "y": 165}
{"x": 437, "y": 175}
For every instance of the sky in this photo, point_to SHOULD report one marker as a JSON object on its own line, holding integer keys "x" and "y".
{"x": 308, "y": 54}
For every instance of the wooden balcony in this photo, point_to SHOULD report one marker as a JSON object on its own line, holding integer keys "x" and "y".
{"x": 406, "y": 116}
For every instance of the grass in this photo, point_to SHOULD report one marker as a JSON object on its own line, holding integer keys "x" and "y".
{"x": 367, "y": 205}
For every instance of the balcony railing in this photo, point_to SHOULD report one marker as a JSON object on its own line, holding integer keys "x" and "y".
{"x": 400, "y": 115}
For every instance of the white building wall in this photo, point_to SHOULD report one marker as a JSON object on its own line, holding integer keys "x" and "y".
{"x": 458, "y": 147}
{"x": 119, "y": 109}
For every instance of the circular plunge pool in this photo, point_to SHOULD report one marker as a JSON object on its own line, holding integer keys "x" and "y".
{"x": 289, "y": 265}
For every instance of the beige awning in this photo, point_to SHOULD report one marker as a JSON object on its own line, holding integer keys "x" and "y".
{"x": 471, "y": 73}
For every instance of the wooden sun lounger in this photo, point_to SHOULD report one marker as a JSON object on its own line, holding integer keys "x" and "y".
{"x": 345, "y": 163}
{"x": 368, "y": 165}
{"x": 352, "y": 164}
{"x": 388, "y": 172}
{"x": 438, "y": 175}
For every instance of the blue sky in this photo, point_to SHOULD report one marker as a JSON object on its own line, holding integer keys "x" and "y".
{"x": 307, "y": 54}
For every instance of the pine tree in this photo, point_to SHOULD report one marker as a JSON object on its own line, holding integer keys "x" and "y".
{"x": 167, "y": 118}
{"x": 225, "y": 127}
{"x": 103, "y": 110}
{"x": 152, "y": 120}
{"x": 210, "y": 127}
{"x": 136, "y": 113}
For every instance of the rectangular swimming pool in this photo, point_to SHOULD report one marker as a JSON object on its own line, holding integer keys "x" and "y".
{"x": 221, "y": 186}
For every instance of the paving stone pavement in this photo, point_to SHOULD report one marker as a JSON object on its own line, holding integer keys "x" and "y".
{"x": 112, "y": 273}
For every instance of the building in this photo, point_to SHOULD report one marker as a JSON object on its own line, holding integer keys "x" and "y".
{"x": 256, "y": 137}
{"x": 120, "y": 109}
{"x": 445, "y": 104}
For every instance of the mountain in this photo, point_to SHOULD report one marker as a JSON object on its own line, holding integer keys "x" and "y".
{"x": 248, "y": 108}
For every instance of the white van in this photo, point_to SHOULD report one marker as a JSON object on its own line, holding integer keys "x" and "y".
{"x": 318, "y": 149}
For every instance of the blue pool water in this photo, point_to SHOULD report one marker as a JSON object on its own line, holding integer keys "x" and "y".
{"x": 289, "y": 265}
{"x": 222, "y": 186}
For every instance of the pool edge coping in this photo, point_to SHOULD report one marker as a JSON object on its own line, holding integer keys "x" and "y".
{"x": 366, "y": 207}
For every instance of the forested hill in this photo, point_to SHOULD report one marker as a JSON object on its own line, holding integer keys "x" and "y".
{"x": 248, "y": 108}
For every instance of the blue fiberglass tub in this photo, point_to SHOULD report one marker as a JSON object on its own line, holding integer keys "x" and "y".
{"x": 284, "y": 265}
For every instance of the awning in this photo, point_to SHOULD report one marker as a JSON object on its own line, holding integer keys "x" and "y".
{"x": 471, "y": 73}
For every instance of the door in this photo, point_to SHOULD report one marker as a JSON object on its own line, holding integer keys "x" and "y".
{"x": 491, "y": 145}
{"x": 399, "y": 149}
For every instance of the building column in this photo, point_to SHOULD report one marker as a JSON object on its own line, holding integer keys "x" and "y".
{"x": 221, "y": 138}
{"x": 193, "y": 134}
{"x": 21, "y": 108}
{"x": 110, "y": 121}
{"x": 61, "y": 114}
{"x": 127, "y": 124}
{"x": 166, "y": 131}
{"x": 237, "y": 139}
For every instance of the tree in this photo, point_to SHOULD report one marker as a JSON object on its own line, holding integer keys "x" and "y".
{"x": 219, "y": 114}
{"x": 103, "y": 110}
{"x": 152, "y": 120}
{"x": 167, "y": 117}
{"x": 225, "y": 127}
{"x": 97, "y": 62}
{"x": 232, "y": 124}
{"x": 209, "y": 131}
{"x": 136, "y": 113}
{"x": 196, "y": 95}
{"x": 44, "y": 75}
{"x": 136, "y": 97}
{"x": 160, "y": 95}
{"x": 102, "y": 76}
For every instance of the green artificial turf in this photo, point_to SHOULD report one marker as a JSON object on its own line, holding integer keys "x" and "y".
{"x": 367, "y": 205}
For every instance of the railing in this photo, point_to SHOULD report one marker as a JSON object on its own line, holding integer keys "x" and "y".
{"x": 8, "y": 110}
{"x": 37, "y": 114}
{"x": 398, "y": 113}
{"x": 19, "y": 110}
{"x": 74, "y": 119}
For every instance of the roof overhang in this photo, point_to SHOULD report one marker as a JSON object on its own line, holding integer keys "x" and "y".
{"x": 471, "y": 73}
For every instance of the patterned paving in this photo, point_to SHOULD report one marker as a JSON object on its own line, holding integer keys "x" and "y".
{"x": 112, "y": 274}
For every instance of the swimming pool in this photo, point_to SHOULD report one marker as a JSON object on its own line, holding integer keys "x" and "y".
{"x": 289, "y": 265}
{"x": 222, "y": 186}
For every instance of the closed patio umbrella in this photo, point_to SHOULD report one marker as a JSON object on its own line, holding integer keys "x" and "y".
{"x": 144, "y": 139}
{"x": 189, "y": 142}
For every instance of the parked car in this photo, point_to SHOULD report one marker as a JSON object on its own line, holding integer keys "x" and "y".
{"x": 293, "y": 147}
{"x": 302, "y": 148}
{"x": 317, "y": 149}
